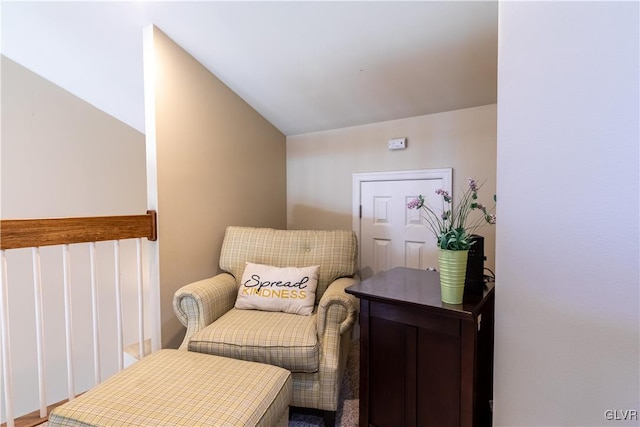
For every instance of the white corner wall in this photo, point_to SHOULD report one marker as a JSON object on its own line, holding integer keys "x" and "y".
{"x": 567, "y": 244}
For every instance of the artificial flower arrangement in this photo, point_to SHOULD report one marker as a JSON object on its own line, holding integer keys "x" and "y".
{"x": 452, "y": 228}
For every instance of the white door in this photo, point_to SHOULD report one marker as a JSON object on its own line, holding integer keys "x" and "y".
{"x": 390, "y": 235}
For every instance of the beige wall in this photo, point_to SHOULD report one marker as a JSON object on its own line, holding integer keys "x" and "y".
{"x": 320, "y": 165}
{"x": 62, "y": 156}
{"x": 218, "y": 163}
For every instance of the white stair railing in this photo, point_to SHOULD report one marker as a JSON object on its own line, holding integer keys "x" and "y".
{"x": 63, "y": 232}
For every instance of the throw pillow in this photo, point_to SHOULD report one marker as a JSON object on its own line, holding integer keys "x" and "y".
{"x": 287, "y": 289}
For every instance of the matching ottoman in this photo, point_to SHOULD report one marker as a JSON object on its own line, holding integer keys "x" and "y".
{"x": 183, "y": 388}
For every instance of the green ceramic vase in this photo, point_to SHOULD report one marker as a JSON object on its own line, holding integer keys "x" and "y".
{"x": 453, "y": 268}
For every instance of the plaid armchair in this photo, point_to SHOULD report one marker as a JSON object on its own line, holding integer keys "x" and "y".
{"x": 314, "y": 348}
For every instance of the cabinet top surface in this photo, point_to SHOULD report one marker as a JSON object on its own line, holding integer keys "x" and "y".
{"x": 420, "y": 288}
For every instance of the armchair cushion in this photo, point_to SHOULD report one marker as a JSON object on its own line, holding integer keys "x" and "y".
{"x": 275, "y": 338}
{"x": 288, "y": 289}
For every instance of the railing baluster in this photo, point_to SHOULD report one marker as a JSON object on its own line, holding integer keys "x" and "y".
{"x": 116, "y": 246}
{"x": 140, "y": 300}
{"x": 155, "y": 325}
{"x": 67, "y": 318}
{"x": 37, "y": 292}
{"x": 94, "y": 313}
{"x": 6, "y": 349}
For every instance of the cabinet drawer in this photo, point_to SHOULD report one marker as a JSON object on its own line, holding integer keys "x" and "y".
{"x": 415, "y": 317}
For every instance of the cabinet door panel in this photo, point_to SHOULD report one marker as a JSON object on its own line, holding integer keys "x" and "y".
{"x": 387, "y": 384}
{"x": 438, "y": 379}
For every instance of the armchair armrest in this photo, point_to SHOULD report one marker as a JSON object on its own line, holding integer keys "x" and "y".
{"x": 199, "y": 304}
{"x": 337, "y": 307}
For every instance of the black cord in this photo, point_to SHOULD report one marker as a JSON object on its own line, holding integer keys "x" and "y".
{"x": 491, "y": 277}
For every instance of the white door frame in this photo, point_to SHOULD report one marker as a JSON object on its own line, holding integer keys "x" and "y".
{"x": 445, "y": 174}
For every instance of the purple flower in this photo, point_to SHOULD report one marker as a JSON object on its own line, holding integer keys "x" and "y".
{"x": 452, "y": 224}
{"x": 416, "y": 203}
{"x": 445, "y": 194}
{"x": 473, "y": 185}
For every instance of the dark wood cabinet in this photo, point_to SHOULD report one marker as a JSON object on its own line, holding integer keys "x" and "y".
{"x": 423, "y": 362}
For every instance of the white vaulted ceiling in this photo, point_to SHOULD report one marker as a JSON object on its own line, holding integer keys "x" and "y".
{"x": 305, "y": 66}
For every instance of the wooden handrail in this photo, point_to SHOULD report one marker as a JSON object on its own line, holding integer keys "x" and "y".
{"x": 28, "y": 233}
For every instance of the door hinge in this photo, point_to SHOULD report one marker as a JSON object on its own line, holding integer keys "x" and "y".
{"x": 360, "y": 211}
